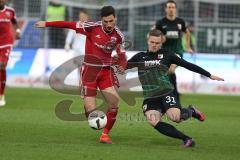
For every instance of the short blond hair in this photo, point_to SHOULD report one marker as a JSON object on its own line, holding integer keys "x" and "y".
{"x": 155, "y": 33}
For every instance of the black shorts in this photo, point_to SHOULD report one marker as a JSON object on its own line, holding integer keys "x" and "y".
{"x": 161, "y": 103}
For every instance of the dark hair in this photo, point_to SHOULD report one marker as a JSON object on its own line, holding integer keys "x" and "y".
{"x": 155, "y": 33}
{"x": 170, "y": 1}
{"x": 107, "y": 11}
{"x": 83, "y": 11}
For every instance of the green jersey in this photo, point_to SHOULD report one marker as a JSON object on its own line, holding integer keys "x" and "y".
{"x": 153, "y": 71}
{"x": 172, "y": 29}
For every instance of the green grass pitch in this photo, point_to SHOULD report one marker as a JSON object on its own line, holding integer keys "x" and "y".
{"x": 30, "y": 130}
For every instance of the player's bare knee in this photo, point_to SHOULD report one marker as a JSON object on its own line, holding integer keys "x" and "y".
{"x": 153, "y": 117}
{"x": 113, "y": 109}
{"x": 112, "y": 98}
{"x": 153, "y": 123}
{"x": 176, "y": 119}
{"x": 113, "y": 103}
{"x": 174, "y": 115}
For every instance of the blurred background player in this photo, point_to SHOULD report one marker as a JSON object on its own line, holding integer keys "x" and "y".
{"x": 56, "y": 12}
{"x": 159, "y": 97}
{"x": 173, "y": 27}
{"x": 102, "y": 38}
{"x": 190, "y": 27}
{"x": 77, "y": 41}
{"x": 7, "y": 19}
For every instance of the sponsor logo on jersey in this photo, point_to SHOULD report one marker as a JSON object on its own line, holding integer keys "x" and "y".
{"x": 8, "y": 14}
{"x": 152, "y": 63}
{"x": 113, "y": 39}
{"x": 172, "y": 34}
{"x": 99, "y": 45}
{"x": 110, "y": 46}
{"x": 98, "y": 36}
{"x": 4, "y": 20}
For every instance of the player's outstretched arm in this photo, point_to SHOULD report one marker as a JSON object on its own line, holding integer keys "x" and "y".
{"x": 213, "y": 77}
{"x": 57, "y": 24}
{"x": 134, "y": 62}
{"x": 194, "y": 68}
{"x": 16, "y": 26}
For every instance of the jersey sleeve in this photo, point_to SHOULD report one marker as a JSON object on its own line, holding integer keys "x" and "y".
{"x": 184, "y": 28}
{"x": 135, "y": 61}
{"x": 159, "y": 26}
{"x": 190, "y": 66}
{"x": 120, "y": 49}
{"x": 62, "y": 24}
{"x": 79, "y": 27}
{"x": 13, "y": 19}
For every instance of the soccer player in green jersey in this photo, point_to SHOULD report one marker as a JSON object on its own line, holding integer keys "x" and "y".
{"x": 159, "y": 99}
{"x": 173, "y": 28}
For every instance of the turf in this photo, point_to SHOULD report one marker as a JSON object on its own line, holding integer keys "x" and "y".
{"x": 29, "y": 129}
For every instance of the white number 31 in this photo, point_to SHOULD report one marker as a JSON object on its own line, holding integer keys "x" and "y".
{"x": 170, "y": 99}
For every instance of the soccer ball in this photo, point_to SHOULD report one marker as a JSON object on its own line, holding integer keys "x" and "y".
{"x": 97, "y": 119}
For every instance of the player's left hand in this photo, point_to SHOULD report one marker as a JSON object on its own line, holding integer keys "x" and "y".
{"x": 18, "y": 33}
{"x": 120, "y": 69}
{"x": 40, "y": 24}
{"x": 213, "y": 77}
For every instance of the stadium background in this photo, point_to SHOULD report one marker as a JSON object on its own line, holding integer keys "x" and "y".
{"x": 216, "y": 30}
{"x": 31, "y": 129}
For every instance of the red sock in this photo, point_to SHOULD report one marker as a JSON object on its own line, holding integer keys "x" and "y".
{"x": 111, "y": 118}
{"x": 2, "y": 81}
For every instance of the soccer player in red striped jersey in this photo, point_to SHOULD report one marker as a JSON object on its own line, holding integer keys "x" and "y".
{"x": 101, "y": 39}
{"x": 7, "y": 19}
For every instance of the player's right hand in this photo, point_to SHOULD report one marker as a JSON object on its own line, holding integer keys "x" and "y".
{"x": 40, "y": 24}
{"x": 17, "y": 35}
{"x": 120, "y": 70}
{"x": 212, "y": 77}
{"x": 190, "y": 51}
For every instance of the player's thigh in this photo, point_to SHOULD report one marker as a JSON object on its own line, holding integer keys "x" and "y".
{"x": 107, "y": 78}
{"x": 172, "y": 68}
{"x": 111, "y": 96}
{"x": 174, "y": 114}
{"x": 171, "y": 106}
{"x": 89, "y": 103}
{"x": 108, "y": 84}
{"x": 153, "y": 117}
{"x": 88, "y": 81}
{"x": 153, "y": 110}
